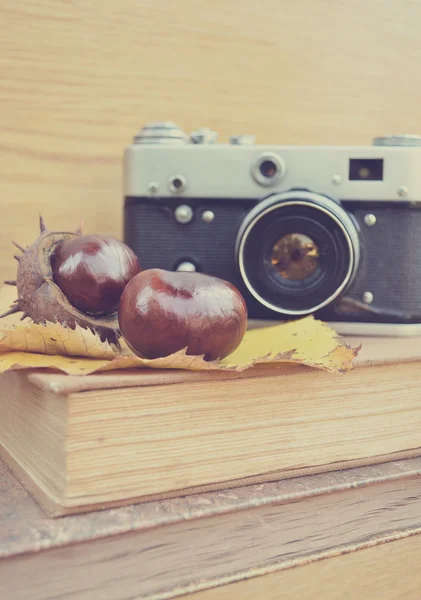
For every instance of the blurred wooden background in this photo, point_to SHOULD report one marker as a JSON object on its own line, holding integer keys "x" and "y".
{"x": 78, "y": 79}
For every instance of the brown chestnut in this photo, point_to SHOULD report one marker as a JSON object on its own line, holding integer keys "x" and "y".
{"x": 92, "y": 271}
{"x": 62, "y": 271}
{"x": 162, "y": 312}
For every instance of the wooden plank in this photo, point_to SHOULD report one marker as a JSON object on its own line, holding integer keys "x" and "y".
{"x": 386, "y": 571}
{"x": 78, "y": 79}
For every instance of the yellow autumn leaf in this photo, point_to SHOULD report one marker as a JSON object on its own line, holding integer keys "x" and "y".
{"x": 305, "y": 341}
{"x": 54, "y": 339}
{"x": 178, "y": 360}
{"x": 51, "y": 338}
{"x": 10, "y": 361}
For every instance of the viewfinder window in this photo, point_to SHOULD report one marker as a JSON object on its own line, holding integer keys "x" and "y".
{"x": 366, "y": 169}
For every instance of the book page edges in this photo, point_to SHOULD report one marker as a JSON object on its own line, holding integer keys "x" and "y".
{"x": 374, "y": 351}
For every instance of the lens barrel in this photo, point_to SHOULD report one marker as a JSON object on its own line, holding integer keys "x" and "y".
{"x": 297, "y": 251}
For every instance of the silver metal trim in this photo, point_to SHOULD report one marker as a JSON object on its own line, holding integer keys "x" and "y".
{"x": 165, "y": 132}
{"x": 370, "y": 220}
{"x": 303, "y": 199}
{"x": 208, "y": 216}
{"x": 243, "y": 139}
{"x": 186, "y": 266}
{"x": 368, "y": 297}
{"x": 398, "y": 140}
{"x": 204, "y": 135}
{"x": 153, "y": 187}
{"x": 268, "y": 181}
{"x": 222, "y": 171}
{"x": 377, "y": 329}
{"x": 183, "y": 214}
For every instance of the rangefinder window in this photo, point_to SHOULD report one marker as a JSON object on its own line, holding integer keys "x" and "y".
{"x": 366, "y": 169}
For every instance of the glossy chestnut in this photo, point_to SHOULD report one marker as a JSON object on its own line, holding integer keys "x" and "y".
{"x": 162, "y": 312}
{"x": 92, "y": 271}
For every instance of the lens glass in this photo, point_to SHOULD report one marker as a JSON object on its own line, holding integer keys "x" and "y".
{"x": 268, "y": 168}
{"x": 177, "y": 183}
{"x": 297, "y": 256}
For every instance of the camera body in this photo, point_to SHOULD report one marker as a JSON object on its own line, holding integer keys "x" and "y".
{"x": 333, "y": 231}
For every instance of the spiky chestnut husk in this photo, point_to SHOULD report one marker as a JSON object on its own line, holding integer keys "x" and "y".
{"x": 41, "y": 299}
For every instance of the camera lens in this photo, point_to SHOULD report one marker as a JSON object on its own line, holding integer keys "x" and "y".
{"x": 295, "y": 256}
{"x": 297, "y": 251}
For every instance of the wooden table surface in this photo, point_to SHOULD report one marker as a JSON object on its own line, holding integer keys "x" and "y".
{"x": 242, "y": 543}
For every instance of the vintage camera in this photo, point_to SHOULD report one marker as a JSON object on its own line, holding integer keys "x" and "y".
{"x": 329, "y": 231}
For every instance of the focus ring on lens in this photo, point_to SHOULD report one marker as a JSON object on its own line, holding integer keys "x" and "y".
{"x": 329, "y": 224}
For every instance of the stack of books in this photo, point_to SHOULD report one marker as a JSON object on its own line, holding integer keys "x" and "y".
{"x": 81, "y": 443}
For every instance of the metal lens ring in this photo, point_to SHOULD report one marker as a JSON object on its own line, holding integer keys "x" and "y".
{"x": 297, "y": 251}
{"x": 268, "y": 169}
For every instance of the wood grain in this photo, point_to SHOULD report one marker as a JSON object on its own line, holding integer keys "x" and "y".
{"x": 171, "y": 559}
{"x": 78, "y": 79}
{"x": 26, "y": 529}
{"x": 390, "y": 571}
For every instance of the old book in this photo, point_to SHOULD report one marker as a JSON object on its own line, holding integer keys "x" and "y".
{"x": 117, "y": 438}
{"x": 319, "y": 536}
